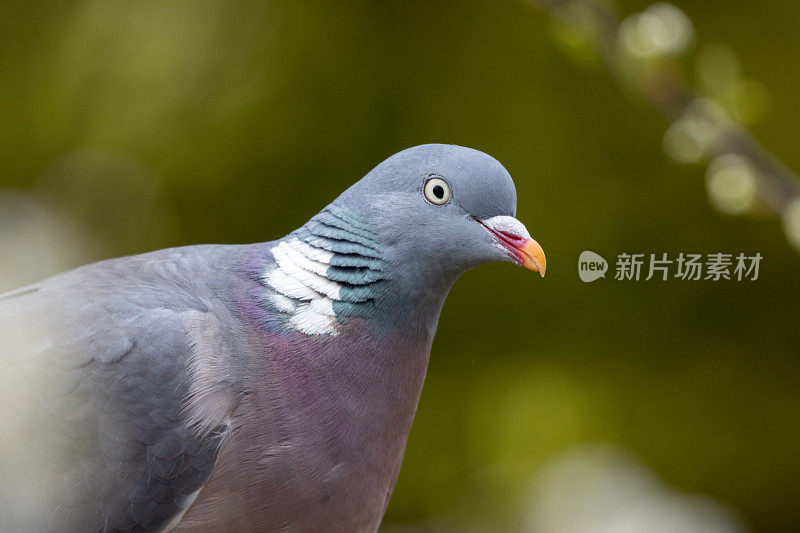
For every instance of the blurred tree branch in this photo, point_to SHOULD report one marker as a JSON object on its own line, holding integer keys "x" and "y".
{"x": 646, "y": 54}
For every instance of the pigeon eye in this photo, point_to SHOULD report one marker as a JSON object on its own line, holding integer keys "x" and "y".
{"x": 437, "y": 191}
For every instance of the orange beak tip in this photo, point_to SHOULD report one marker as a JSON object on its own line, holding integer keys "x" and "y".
{"x": 534, "y": 258}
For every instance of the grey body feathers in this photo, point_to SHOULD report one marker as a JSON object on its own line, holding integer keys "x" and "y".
{"x": 102, "y": 361}
{"x": 230, "y": 388}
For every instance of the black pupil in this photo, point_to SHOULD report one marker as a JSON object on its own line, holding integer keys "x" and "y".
{"x": 438, "y": 191}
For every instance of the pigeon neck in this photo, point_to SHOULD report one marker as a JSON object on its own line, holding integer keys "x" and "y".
{"x": 326, "y": 271}
{"x": 334, "y": 268}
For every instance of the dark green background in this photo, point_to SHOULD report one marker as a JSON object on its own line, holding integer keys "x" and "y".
{"x": 157, "y": 124}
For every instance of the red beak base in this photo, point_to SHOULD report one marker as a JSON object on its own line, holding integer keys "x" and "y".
{"x": 518, "y": 244}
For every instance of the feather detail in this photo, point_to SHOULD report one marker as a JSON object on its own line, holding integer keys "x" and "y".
{"x": 324, "y": 272}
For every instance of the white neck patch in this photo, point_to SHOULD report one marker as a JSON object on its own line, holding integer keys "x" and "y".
{"x": 302, "y": 289}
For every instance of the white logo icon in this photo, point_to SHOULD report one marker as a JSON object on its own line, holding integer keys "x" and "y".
{"x": 591, "y": 266}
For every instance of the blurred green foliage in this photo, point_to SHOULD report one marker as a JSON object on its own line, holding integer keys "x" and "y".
{"x": 152, "y": 124}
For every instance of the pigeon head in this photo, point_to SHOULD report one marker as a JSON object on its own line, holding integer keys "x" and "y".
{"x": 441, "y": 209}
{"x": 393, "y": 243}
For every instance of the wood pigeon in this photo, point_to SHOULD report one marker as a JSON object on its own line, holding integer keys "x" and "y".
{"x": 263, "y": 387}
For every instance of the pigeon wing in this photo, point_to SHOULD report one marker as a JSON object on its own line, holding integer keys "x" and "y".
{"x": 96, "y": 369}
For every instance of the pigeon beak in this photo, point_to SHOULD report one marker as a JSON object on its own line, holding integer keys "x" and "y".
{"x": 515, "y": 240}
{"x": 534, "y": 258}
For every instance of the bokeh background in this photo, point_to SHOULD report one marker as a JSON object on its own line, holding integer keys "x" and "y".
{"x": 550, "y": 405}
